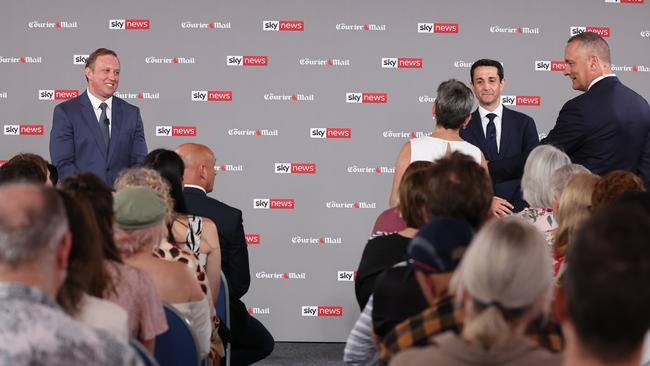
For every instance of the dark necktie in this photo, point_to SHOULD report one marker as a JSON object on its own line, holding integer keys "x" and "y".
{"x": 103, "y": 124}
{"x": 491, "y": 138}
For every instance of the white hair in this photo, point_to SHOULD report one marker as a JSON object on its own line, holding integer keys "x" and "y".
{"x": 542, "y": 162}
{"x": 560, "y": 178}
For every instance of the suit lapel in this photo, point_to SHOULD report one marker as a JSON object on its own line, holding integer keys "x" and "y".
{"x": 116, "y": 125}
{"x": 475, "y": 127}
{"x": 506, "y": 132}
{"x": 90, "y": 119}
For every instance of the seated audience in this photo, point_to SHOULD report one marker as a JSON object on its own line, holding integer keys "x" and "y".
{"x": 605, "y": 287}
{"x": 34, "y": 248}
{"x": 140, "y": 227}
{"x": 131, "y": 288}
{"x": 384, "y": 251}
{"x": 559, "y": 180}
{"x": 36, "y": 159}
{"x": 504, "y": 282}
{"x": 53, "y": 176}
{"x": 613, "y": 185}
{"x": 22, "y": 171}
{"x": 388, "y": 222}
{"x": 537, "y": 190}
{"x": 86, "y": 280}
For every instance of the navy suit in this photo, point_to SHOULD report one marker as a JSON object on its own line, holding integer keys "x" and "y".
{"x": 606, "y": 128}
{"x": 250, "y": 340}
{"x": 76, "y": 142}
{"x": 518, "y": 134}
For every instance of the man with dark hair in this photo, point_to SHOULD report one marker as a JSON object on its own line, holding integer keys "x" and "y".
{"x": 498, "y": 131}
{"x": 97, "y": 131}
{"x": 606, "y": 288}
{"x": 606, "y": 128}
{"x": 22, "y": 170}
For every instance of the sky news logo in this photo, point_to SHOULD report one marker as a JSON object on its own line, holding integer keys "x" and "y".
{"x": 401, "y": 63}
{"x": 320, "y": 310}
{"x": 330, "y": 133}
{"x": 438, "y": 27}
{"x": 550, "y": 66}
{"x": 138, "y": 95}
{"x": 353, "y": 205}
{"x": 371, "y": 170}
{"x": 53, "y": 25}
{"x": 361, "y": 27}
{"x": 21, "y": 60}
{"x": 211, "y": 25}
{"x": 212, "y": 95}
{"x": 346, "y": 276}
{"x": 635, "y": 68}
{"x": 295, "y": 168}
{"x": 230, "y": 168}
{"x": 175, "y": 131}
{"x": 324, "y": 62}
{"x": 258, "y": 311}
{"x": 521, "y": 100}
{"x": 2, "y": 162}
{"x": 129, "y": 24}
{"x": 247, "y": 60}
{"x": 57, "y": 94}
{"x": 170, "y": 60}
{"x": 256, "y": 133}
{"x": 24, "y": 130}
{"x": 274, "y": 203}
{"x": 79, "y": 59}
{"x": 369, "y": 98}
{"x": 289, "y": 98}
{"x": 253, "y": 239}
{"x": 515, "y": 30}
{"x": 283, "y": 25}
{"x": 601, "y": 31}
{"x": 319, "y": 241}
{"x": 281, "y": 276}
{"x": 390, "y": 134}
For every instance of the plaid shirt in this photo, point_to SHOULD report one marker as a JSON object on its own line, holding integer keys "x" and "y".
{"x": 444, "y": 316}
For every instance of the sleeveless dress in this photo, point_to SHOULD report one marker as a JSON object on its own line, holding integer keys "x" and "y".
{"x": 429, "y": 148}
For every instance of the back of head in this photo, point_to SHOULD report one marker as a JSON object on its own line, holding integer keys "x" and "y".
{"x": 198, "y": 160}
{"x": 506, "y": 272}
{"x": 34, "y": 158}
{"x": 595, "y": 44}
{"x": 171, "y": 167}
{"x": 606, "y": 282}
{"x": 139, "y": 219}
{"x": 413, "y": 193}
{"x": 459, "y": 188}
{"x": 542, "y": 162}
{"x": 22, "y": 171}
{"x": 32, "y": 221}
{"x": 147, "y": 177}
{"x": 575, "y": 208}
{"x": 439, "y": 245}
{"x": 613, "y": 185}
{"x": 453, "y": 104}
{"x": 560, "y": 178}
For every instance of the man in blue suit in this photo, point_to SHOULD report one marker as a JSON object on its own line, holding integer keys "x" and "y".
{"x": 97, "y": 131}
{"x": 606, "y": 128}
{"x": 498, "y": 131}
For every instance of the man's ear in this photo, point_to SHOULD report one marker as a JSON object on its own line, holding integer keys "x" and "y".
{"x": 87, "y": 71}
{"x": 63, "y": 251}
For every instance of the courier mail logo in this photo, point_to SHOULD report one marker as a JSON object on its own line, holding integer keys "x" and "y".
{"x": 138, "y": 95}
{"x": 212, "y": 95}
{"x": 23, "y": 130}
{"x": 289, "y": 98}
{"x": 373, "y": 98}
{"x": 79, "y": 59}
{"x": 625, "y": 1}
{"x": 353, "y": 205}
{"x": 247, "y": 132}
{"x": 280, "y": 276}
{"x": 330, "y": 133}
{"x": 21, "y": 60}
{"x": 274, "y": 203}
{"x": 253, "y": 239}
{"x": 57, "y": 94}
{"x": 426, "y": 99}
{"x": 52, "y": 25}
{"x": 346, "y": 276}
{"x": 635, "y": 68}
{"x": 175, "y": 131}
{"x": 401, "y": 63}
{"x": 283, "y": 25}
{"x": 170, "y": 60}
{"x": 601, "y": 31}
{"x": 358, "y": 27}
{"x": 324, "y": 62}
{"x": 521, "y": 100}
{"x": 295, "y": 168}
{"x": 516, "y": 30}
{"x": 258, "y": 311}
{"x": 312, "y": 240}
{"x": 390, "y": 134}
{"x": 438, "y": 27}
{"x": 247, "y": 60}
{"x": 3, "y": 95}
{"x": 550, "y": 65}
{"x": 230, "y": 168}
{"x": 319, "y": 310}
{"x": 129, "y": 24}
{"x": 201, "y": 25}
{"x": 356, "y": 169}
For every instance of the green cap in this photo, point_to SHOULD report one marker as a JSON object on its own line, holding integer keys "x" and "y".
{"x": 138, "y": 208}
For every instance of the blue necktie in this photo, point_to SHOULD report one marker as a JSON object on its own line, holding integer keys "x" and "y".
{"x": 103, "y": 124}
{"x": 491, "y": 138}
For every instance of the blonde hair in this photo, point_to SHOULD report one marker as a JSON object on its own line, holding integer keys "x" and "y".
{"x": 148, "y": 178}
{"x": 574, "y": 209}
{"x": 506, "y": 273}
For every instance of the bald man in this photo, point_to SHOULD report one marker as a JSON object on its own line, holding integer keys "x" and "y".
{"x": 251, "y": 342}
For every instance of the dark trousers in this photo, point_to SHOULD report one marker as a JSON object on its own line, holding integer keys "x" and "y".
{"x": 251, "y": 342}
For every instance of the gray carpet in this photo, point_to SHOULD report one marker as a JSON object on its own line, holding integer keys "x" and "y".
{"x": 305, "y": 354}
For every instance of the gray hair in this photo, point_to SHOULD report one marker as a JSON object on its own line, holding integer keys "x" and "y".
{"x": 454, "y": 103}
{"x": 542, "y": 162}
{"x": 594, "y": 43}
{"x": 560, "y": 178}
{"x": 506, "y": 272}
{"x": 32, "y": 220}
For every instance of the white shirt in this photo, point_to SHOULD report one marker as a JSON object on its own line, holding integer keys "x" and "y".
{"x": 98, "y": 111}
{"x": 599, "y": 79}
{"x": 195, "y": 186}
{"x": 497, "y": 121}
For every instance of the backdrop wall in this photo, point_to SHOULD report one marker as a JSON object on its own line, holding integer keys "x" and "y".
{"x": 269, "y": 86}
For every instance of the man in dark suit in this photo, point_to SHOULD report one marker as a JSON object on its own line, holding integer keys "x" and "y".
{"x": 251, "y": 341}
{"x": 97, "y": 131}
{"x": 606, "y": 128}
{"x": 498, "y": 131}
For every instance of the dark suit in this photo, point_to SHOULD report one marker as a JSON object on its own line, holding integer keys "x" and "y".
{"x": 250, "y": 340}
{"x": 76, "y": 142}
{"x": 606, "y": 128}
{"x": 518, "y": 134}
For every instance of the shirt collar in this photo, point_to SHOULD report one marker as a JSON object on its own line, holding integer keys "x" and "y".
{"x": 96, "y": 102}
{"x": 599, "y": 79}
{"x": 484, "y": 112}
{"x": 195, "y": 186}
{"x": 23, "y": 292}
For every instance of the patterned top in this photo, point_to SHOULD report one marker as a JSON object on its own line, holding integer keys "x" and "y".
{"x": 542, "y": 219}
{"x": 35, "y": 331}
{"x": 193, "y": 238}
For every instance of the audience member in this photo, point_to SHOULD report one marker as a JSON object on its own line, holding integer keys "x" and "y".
{"x": 388, "y": 222}
{"x": 131, "y": 288}
{"x": 250, "y": 340}
{"x": 36, "y": 159}
{"x": 504, "y": 282}
{"x": 34, "y": 247}
{"x": 53, "y": 176}
{"x": 140, "y": 227}
{"x": 559, "y": 180}
{"x": 606, "y": 287}
{"x": 613, "y": 185}
{"x": 81, "y": 292}
{"x": 21, "y": 171}
{"x": 537, "y": 190}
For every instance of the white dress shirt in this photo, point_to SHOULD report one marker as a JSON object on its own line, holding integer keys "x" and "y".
{"x": 497, "y": 121}
{"x": 599, "y": 79}
{"x": 98, "y": 111}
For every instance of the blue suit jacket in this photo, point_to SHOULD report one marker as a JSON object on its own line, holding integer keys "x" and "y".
{"x": 76, "y": 142}
{"x": 606, "y": 128}
{"x": 518, "y": 135}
